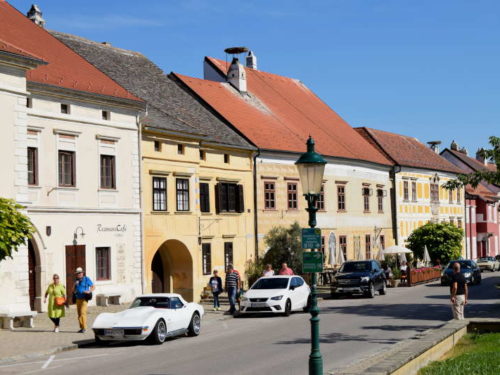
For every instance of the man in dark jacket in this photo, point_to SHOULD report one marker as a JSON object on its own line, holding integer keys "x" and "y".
{"x": 215, "y": 283}
{"x": 458, "y": 291}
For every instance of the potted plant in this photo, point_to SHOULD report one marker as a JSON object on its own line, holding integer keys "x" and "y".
{"x": 396, "y": 278}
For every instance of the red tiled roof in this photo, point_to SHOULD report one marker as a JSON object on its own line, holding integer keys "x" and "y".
{"x": 8, "y": 47}
{"x": 473, "y": 163}
{"x": 65, "y": 67}
{"x": 407, "y": 151}
{"x": 483, "y": 192}
{"x": 280, "y": 113}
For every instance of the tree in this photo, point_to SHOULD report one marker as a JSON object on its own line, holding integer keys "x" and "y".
{"x": 284, "y": 246}
{"x": 443, "y": 241}
{"x": 15, "y": 227}
{"x": 489, "y": 176}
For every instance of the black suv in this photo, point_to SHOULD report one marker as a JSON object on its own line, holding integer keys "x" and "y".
{"x": 359, "y": 277}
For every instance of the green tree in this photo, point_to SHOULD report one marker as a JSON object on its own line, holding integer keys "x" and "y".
{"x": 284, "y": 246}
{"x": 15, "y": 227}
{"x": 443, "y": 241}
{"x": 489, "y": 176}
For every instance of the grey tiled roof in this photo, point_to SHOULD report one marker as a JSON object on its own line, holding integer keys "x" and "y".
{"x": 169, "y": 106}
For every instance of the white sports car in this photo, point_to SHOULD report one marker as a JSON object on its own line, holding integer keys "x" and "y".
{"x": 277, "y": 294}
{"x": 153, "y": 316}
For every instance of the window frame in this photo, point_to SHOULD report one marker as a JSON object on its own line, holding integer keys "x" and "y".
{"x": 320, "y": 203}
{"x": 343, "y": 245}
{"x": 182, "y": 195}
{"x": 292, "y": 196}
{"x": 414, "y": 191}
{"x": 159, "y": 190}
{"x": 270, "y": 196}
{"x": 33, "y": 160}
{"x": 62, "y": 173}
{"x": 368, "y": 246}
{"x": 341, "y": 198}
{"x": 103, "y": 173}
{"x": 380, "y": 200}
{"x": 366, "y": 199}
{"x": 65, "y": 109}
{"x": 206, "y": 258}
{"x": 406, "y": 191}
{"x": 157, "y": 146}
{"x": 228, "y": 254}
{"x": 434, "y": 192}
{"x": 204, "y": 197}
{"x": 100, "y": 275}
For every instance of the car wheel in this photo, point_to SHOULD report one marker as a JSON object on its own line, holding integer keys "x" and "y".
{"x": 159, "y": 334}
{"x": 307, "y": 307}
{"x": 383, "y": 291}
{"x": 195, "y": 325}
{"x": 98, "y": 341}
{"x": 288, "y": 307}
{"x": 371, "y": 291}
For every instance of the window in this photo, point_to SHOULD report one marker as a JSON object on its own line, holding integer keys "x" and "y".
{"x": 406, "y": 195}
{"x": 182, "y": 187}
{"x": 226, "y": 158}
{"x": 65, "y": 108}
{"x": 366, "y": 199}
{"x": 343, "y": 245}
{"x": 341, "y": 198}
{"x": 32, "y": 166}
{"x": 229, "y": 197}
{"x": 108, "y": 174}
{"x": 106, "y": 115}
{"x": 380, "y": 200}
{"x": 459, "y": 223}
{"x": 157, "y": 145}
{"x": 103, "y": 263}
{"x": 320, "y": 203}
{"x": 176, "y": 303}
{"x": 228, "y": 254}
{"x": 269, "y": 196}
{"x": 203, "y": 155}
{"x": 368, "y": 246}
{"x": 434, "y": 193}
{"x": 204, "y": 197}
{"x": 66, "y": 168}
{"x": 450, "y": 196}
{"x": 292, "y": 196}
{"x": 382, "y": 241}
{"x": 29, "y": 103}
{"x": 414, "y": 191}
{"x": 458, "y": 197}
{"x": 206, "y": 250}
{"x": 159, "y": 194}
{"x": 180, "y": 149}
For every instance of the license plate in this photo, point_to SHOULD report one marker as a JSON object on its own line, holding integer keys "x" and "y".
{"x": 114, "y": 332}
{"x": 259, "y": 304}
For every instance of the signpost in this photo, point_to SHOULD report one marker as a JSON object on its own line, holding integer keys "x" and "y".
{"x": 312, "y": 261}
{"x": 311, "y": 238}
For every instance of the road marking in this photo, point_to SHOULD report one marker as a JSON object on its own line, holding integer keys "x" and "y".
{"x": 47, "y": 363}
{"x": 57, "y": 360}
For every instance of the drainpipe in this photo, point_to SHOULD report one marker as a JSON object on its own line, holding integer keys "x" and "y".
{"x": 255, "y": 219}
{"x": 467, "y": 255}
{"x": 141, "y": 222}
{"x": 394, "y": 206}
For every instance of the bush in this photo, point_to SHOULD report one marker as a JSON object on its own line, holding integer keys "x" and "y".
{"x": 284, "y": 246}
{"x": 253, "y": 270}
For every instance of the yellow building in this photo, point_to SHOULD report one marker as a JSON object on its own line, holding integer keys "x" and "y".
{"x": 419, "y": 174}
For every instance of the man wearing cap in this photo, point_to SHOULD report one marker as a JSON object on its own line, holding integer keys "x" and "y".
{"x": 83, "y": 289}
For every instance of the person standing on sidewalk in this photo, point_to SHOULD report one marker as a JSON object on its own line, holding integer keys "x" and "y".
{"x": 285, "y": 270}
{"x": 215, "y": 284}
{"x": 232, "y": 285}
{"x": 57, "y": 299}
{"x": 268, "y": 271}
{"x": 83, "y": 293}
{"x": 459, "y": 292}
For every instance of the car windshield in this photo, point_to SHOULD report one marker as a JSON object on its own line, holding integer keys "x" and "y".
{"x": 356, "y": 267}
{"x": 158, "y": 302}
{"x": 463, "y": 264}
{"x": 271, "y": 283}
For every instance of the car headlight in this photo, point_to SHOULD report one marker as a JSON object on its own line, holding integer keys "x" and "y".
{"x": 243, "y": 298}
{"x": 277, "y": 298}
{"x": 467, "y": 274}
{"x": 365, "y": 279}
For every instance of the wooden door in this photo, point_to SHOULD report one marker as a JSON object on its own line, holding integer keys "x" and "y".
{"x": 158, "y": 282}
{"x": 75, "y": 257}
{"x": 32, "y": 274}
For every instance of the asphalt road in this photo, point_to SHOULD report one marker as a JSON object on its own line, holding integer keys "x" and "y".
{"x": 351, "y": 329}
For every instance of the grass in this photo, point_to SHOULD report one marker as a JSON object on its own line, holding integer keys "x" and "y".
{"x": 474, "y": 354}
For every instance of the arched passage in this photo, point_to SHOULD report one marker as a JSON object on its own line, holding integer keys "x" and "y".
{"x": 34, "y": 276}
{"x": 172, "y": 270}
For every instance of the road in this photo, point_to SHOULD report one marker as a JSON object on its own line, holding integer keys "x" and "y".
{"x": 350, "y": 330}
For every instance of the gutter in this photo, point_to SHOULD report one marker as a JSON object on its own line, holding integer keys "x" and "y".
{"x": 394, "y": 207}
{"x": 141, "y": 218}
{"x": 255, "y": 216}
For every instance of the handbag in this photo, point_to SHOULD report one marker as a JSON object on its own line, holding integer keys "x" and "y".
{"x": 59, "y": 301}
{"x": 87, "y": 296}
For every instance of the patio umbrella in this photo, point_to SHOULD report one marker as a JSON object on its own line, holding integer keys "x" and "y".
{"x": 332, "y": 243}
{"x": 340, "y": 257}
{"x": 402, "y": 257}
{"x": 397, "y": 250}
{"x": 427, "y": 258}
{"x": 357, "y": 245}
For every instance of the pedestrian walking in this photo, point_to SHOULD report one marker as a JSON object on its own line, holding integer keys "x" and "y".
{"x": 215, "y": 284}
{"x": 57, "y": 300}
{"x": 285, "y": 270}
{"x": 268, "y": 271}
{"x": 82, "y": 292}
{"x": 459, "y": 292}
{"x": 232, "y": 286}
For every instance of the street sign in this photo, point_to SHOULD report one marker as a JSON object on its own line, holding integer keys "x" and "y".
{"x": 311, "y": 238}
{"x": 312, "y": 261}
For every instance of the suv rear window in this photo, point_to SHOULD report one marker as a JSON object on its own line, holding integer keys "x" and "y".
{"x": 356, "y": 267}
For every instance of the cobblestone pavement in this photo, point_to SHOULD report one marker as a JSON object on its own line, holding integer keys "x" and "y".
{"x": 41, "y": 339}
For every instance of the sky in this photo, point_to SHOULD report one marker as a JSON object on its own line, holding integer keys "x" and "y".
{"x": 423, "y": 68}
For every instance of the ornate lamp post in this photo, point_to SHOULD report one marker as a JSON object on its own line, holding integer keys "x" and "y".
{"x": 311, "y": 166}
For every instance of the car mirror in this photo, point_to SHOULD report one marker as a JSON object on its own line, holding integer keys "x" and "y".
{"x": 292, "y": 287}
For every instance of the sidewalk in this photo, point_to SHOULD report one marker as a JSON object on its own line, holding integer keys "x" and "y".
{"x": 32, "y": 342}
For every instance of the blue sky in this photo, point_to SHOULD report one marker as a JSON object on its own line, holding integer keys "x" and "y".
{"x": 429, "y": 69}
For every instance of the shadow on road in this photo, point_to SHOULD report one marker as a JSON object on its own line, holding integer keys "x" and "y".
{"x": 331, "y": 338}
{"x": 416, "y": 328}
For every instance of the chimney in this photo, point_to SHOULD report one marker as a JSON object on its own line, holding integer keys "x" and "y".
{"x": 251, "y": 60}
{"x": 434, "y": 146}
{"x": 35, "y": 15}
{"x": 237, "y": 76}
{"x": 454, "y": 146}
{"x": 480, "y": 157}
{"x": 464, "y": 151}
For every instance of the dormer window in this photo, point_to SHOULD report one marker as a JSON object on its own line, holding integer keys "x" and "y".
{"x": 65, "y": 109}
{"x": 29, "y": 103}
{"x": 106, "y": 115}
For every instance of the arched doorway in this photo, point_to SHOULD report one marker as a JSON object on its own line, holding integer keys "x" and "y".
{"x": 172, "y": 270}
{"x": 32, "y": 275}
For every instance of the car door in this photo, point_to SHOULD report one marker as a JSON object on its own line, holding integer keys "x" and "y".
{"x": 377, "y": 276}
{"x": 302, "y": 292}
{"x": 292, "y": 292}
{"x": 176, "y": 315}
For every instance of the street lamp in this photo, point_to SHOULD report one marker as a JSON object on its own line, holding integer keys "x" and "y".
{"x": 311, "y": 166}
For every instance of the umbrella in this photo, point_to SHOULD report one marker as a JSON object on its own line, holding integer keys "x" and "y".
{"x": 397, "y": 250}
{"x": 402, "y": 257}
{"x": 340, "y": 257}
{"x": 332, "y": 243}
{"x": 357, "y": 246}
{"x": 427, "y": 258}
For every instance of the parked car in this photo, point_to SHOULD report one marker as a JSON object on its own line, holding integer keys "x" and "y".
{"x": 276, "y": 294}
{"x": 488, "y": 263}
{"x": 359, "y": 277}
{"x": 469, "y": 268}
{"x": 153, "y": 317}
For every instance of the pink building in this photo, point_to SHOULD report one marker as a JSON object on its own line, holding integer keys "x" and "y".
{"x": 482, "y": 226}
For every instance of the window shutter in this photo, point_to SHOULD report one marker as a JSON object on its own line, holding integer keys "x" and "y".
{"x": 218, "y": 199}
{"x": 241, "y": 200}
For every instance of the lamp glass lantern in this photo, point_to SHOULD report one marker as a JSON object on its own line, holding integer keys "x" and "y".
{"x": 311, "y": 167}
